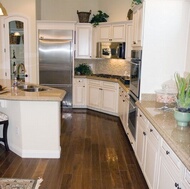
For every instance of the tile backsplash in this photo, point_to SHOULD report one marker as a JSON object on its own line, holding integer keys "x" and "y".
{"x": 106, "y": 66}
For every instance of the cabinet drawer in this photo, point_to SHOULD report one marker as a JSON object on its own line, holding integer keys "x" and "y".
{"x": 142, "y": 117}
{"x": 109, "y": 85}
{"x": 94, "y": 82}
{"x": 171, "y": 155}
{"x": 79, "y": 81}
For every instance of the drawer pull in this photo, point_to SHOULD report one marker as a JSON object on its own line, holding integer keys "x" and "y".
{"x": 176, "y": 185}
{"x": 167, "y": 152}
{"x": 151, "y": 130}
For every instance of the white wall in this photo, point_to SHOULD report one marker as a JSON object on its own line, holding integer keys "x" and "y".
{"x": 66, "y": 10}
{"x": 26, "y": 8}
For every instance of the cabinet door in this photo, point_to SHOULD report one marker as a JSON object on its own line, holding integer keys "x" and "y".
{"x": 83, "y": 41}
{"x": 128, "y": 41}
{"x": 140, "y": 141}
{"x": 151, "y": 156}
{"x": 104, "y": 32}
{"x": 118, "y": 32}
{"x": 109, "y": 97}
{"x": 16, "y": 56}
{"x": 79, "y": 93}
{"x": 137, "y": 26}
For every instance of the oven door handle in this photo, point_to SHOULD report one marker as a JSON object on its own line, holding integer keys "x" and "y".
{"x": 136, "y": 64}
{"x": 133, "y": 107}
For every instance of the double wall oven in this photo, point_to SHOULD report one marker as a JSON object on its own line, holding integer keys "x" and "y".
{"x": 135, "y": 74}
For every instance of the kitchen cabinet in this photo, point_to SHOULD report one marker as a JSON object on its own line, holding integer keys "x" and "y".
{"x": 128, "y": 35}
{"x": 137, "y": 25}
{"x": 112, "y": 32}
{"x": 15, "y": 45}
{"x": 83, "y": 41}
{"x": 103, "y": 96}
{"x": 79, "y": 92}
{"x": 147, "y": 145}
{"x": 186, "y": 179}
{"x": 169, "y": 169}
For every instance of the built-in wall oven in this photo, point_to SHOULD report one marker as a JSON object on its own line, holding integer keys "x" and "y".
{"x": 135, "y": 75}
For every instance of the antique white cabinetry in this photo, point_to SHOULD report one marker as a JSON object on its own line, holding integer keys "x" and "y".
{"x": 186, "y": 179}
{"x": 123, "y": 107}
{"x": 15, "y": 45}
{"x": 137, "y": 25}
{"x": 83, "y": 41}
{"x": 169, "y": 169}
{"x": 103, "y": 96}
{"x": 112, "y": 32}
{"x": 147, "y": 149}
{"x": 79, "y": 92}
{"x": 128, "y": 40}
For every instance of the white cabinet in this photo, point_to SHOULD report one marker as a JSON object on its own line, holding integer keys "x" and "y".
{"x": 123, "y": 107}
{"x": 128, "y": 35}
{"x": 103, "y": 96}
{"x": 112, "y": 32}
{"x": 186, "y": 179}
{"x": 83, "y": 41}
{"x": 137, "y": 25}
{"x": 79, "y": 92}
{"x": 147, "y": 145}
{"x": 169, "y": 169}
{"x": 15, "y": 48}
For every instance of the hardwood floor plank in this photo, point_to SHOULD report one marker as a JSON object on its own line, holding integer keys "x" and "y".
{"x": 95, "y": 154}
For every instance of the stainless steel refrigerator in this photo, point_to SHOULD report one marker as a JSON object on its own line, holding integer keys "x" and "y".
{"x": 56, "y": 61}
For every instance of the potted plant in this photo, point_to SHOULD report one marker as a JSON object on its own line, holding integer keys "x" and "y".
{"x": 135, "y": 2}
{"x": 83, "y": 69}
{"x": 99, "y": 17}
{"x": 182, "y": 112}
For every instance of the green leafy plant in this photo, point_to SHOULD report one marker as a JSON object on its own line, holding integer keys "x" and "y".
{"x": 83, "y": 69}
{"x": 99, "y": 17}
{"x": 183, "y": 89}
{"x": 135, "y": 2}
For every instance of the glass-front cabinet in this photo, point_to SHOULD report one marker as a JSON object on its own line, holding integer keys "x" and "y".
{"x": 16, "y": 48}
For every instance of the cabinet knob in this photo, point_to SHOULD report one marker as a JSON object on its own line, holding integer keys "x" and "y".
{"x": 144, "y": 133}
{"x": 167, "y": 152}
{"x": 176, "y": 184}
{"x": 140, "y": 115}
{"x": 123, "y": 100}
{"x": 151, "y": 130}
{"x": 26, "y": 75}
{"x": 134, "y": 42}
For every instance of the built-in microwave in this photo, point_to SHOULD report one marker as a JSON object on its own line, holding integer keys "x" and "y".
{"x": 111, "y": 50}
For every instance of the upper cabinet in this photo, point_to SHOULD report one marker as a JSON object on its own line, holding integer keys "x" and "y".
{"x": 15, "y": 47}
{"x": 83, "y": 41}
{"x": 137, "y": 26}
{"x": 112, "y": 32}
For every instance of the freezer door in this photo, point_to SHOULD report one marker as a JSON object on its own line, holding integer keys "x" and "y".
{"x": 55, "y": 61}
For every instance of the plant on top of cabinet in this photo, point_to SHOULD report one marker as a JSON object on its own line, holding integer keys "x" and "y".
{"x": 99, "y": 17}
{"x": 83, "y": 69}
{"x": 135, "y": 2}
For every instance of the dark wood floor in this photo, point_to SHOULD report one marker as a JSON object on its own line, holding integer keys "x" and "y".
{"x": 96, "y": 154}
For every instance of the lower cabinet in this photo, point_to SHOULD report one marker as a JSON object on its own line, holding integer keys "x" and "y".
{"x": 79, "y": 92}
{"x": 147, "y": 145}
{"x": 103, "y": 96}
{"x": 169, "y": 169}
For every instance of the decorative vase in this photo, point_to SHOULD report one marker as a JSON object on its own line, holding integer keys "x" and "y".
{"x": 182, "y": 118}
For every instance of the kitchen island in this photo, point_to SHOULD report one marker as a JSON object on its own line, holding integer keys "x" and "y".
{"x": 34, "y": 121}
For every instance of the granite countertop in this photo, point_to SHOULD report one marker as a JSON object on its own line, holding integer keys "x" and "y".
{"x": 51, "y": 94}
{"x": 178, "y": 138}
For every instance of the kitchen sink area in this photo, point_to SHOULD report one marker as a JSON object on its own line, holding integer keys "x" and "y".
{"x": 31, "y": 88}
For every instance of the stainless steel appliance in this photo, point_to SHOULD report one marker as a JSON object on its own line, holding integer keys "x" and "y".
{"x": 56, "y": 61}
{"x": 111, "y": 50}
{"x": 136, "y": 59}
{"x": 135, "y": 73}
